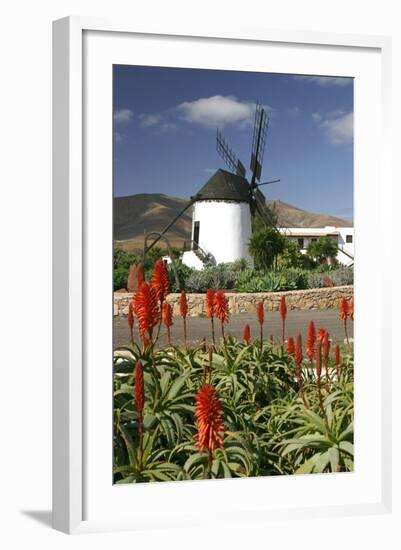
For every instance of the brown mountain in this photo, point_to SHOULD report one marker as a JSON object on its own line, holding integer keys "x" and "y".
{"x": 152, "y": 212}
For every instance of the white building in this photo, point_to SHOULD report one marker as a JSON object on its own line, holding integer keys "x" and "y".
{"x": 343, "y": 236}
{"x": 221, "y": 221}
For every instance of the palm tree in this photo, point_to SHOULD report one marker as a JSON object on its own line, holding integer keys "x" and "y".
{"x": 323, "y": 250}
{"x": 265, "y": 245}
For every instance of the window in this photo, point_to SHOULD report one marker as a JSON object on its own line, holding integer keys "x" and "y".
{"x": 348, "y": 239}
{"x": 301, "y": 243}
{"x": 314, "y": 239}
{"x": 196, "y": 235}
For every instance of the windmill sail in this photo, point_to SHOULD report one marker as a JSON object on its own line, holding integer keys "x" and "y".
{"x": 258, "y": 142}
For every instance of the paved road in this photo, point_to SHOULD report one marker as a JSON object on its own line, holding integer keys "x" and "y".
{"x": 199, "y": 327}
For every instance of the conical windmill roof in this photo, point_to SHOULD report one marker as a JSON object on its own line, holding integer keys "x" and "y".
{"x": 225, "y": 186}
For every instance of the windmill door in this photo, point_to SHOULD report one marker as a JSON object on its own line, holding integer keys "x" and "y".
{"x": 196, "y": 235}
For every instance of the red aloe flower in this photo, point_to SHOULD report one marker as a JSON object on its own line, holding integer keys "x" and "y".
{"x": 208, "y": 420}
{"x": 131, "y": 320}
{"x": 260, "y": 313}
{"x": 183, "y": 304}
{"x": 146, "y": 309}
{"x": 337, "y": 359}
{"x": 160, "y": 280}
{"x": 291, "y": 346}
{"x": 210, "y": 309}
{"x": 320, "y": 335}
{"x": 283, "y": 313}
{"x": 221, "y": 309}
{"x": 344, "y": 316}
{"x": 184, "y": 313}
{"x": 310, "y": 342}
{"x": 167, "y": 317}
{"x": 210, "y": 302}
{"x": 139, "y": 394}
{"x": 247, "y": 334}
{"x": 351, "y": 310}
{"x": 343, "y": 309}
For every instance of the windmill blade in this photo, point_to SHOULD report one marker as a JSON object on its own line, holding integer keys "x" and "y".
{"x": 261, "y": 209}
{"x": 172, "y": 222}
{"x": 228, "y": 155}
{"x": 269, "y": 182}
{"x": 258, "y": 142}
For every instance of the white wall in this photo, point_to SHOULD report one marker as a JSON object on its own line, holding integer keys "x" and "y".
{"x": 347, "y": 247}
{"x": 225, "y": 229}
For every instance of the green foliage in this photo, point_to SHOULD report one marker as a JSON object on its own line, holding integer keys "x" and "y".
{"x": 290, "y": 256}
{"x": 265, "y": 245}
{"x": 121, "y": 262}
{"x": 222, "y": 276}
{"x": 120, "y": 276}
{"x": 123, "y": 259}
{"x": 155, "y": 253}
{"x": 183, "y": 271}
{"x": 272, "y": 281}
{"x": 340, "y": 276}
{"x": 268, "y": 428}
{"x": 323, "y": 249}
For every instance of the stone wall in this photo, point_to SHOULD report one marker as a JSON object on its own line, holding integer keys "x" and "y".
{"x": 242, "y": 302}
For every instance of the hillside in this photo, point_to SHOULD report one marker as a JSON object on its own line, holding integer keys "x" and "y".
{"x": 152, "y": 212}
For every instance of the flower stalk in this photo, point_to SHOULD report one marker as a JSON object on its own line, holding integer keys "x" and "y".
{"x": 184, "y": 313}
{"x": 298, "y": 363}
{"x": 261, "y": 320}
{"x": 283, "y": 315}
{"x": 210, "y": 309}
{"x": 139, "y": 395}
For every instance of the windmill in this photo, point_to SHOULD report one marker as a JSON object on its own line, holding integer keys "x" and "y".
{"x": 257, "y": 199}
{"x": 225, "y": 208}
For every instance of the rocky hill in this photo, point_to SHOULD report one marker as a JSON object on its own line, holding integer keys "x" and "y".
{"x": 152, "y": 212}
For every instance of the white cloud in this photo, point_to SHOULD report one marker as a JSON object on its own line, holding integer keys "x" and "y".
{"x": 123, "y": 115}
{"x": 149, "y": 120}
{"x": 218, "y": 111}
{"x": 325, "y": 80}
{"x": 339, "y": 126}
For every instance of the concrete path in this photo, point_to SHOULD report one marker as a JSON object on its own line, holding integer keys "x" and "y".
{"x": 199, "y": 327}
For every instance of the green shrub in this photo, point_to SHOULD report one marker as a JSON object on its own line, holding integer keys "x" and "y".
{"x": 183, "y": 271}
{"x": 122, "y": 258}
{"x": 222, "y": 276}
{"x": 340, "y": 276}
{"x": 120, "y": 276}
{"x": 272, "y": 281}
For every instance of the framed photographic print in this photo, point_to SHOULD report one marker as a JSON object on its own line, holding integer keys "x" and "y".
{"x": 213, "y": 200}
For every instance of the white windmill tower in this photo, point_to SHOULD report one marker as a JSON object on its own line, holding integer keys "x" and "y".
{"x": 224, "y": 208}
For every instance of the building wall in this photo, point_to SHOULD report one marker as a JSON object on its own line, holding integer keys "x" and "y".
{"x": 224, "y": 229}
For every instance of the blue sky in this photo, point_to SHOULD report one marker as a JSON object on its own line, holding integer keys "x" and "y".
{"x": 165, "y": 122}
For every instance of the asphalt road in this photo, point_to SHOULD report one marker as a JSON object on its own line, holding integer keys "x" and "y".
{"x": 199, "y": 327}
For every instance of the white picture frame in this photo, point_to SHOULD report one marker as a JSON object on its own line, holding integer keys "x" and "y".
{"x": 72, "y": 215}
